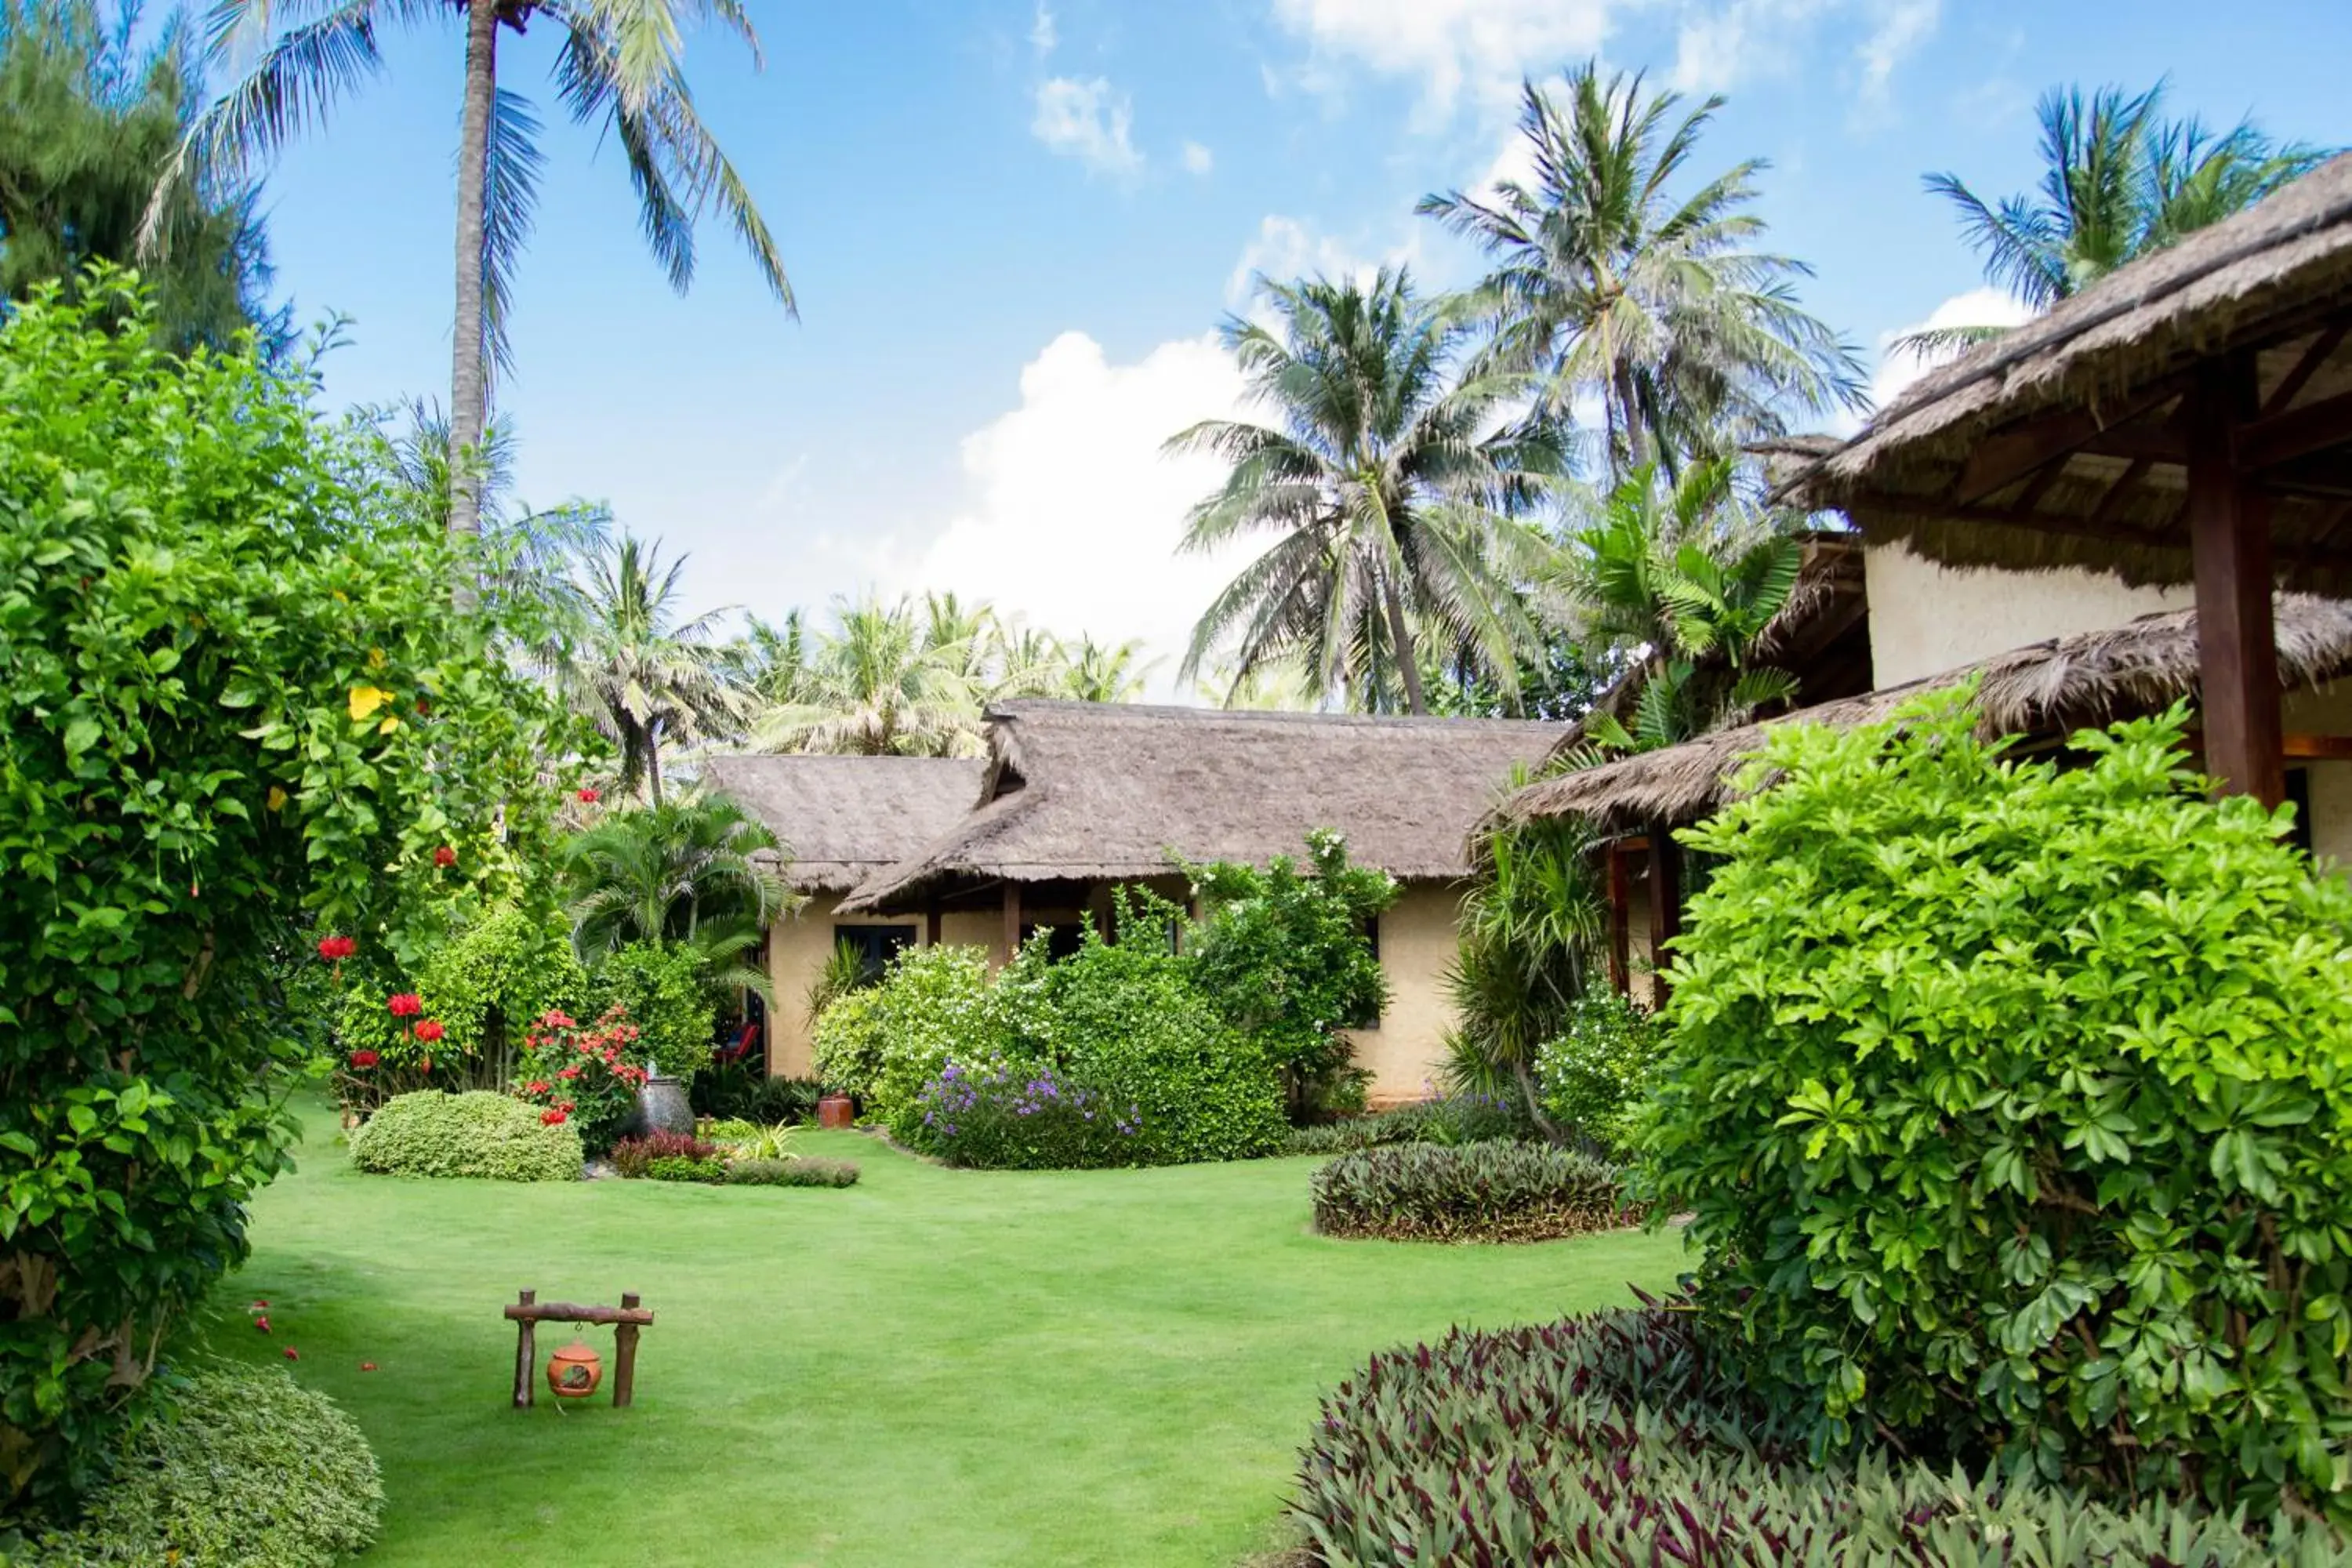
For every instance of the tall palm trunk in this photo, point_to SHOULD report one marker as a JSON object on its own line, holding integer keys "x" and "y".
{"x": 653, "y": 759}
{"x": 1630, "y": 419}
{"x": 469, "y": 388}
{"x": 1408, "y": 656}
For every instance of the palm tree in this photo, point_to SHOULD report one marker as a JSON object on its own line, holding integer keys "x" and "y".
{"x": 641, "y": 674}
{"x": 1388, "y": 485}
{"x": 1103, "y": 672}
{"x": 693, "y": 871}
{"x": 1692, "y": 341}
{"x": 2118, "y": 182}
{"x": 620, "y": 66}
{"x": 880, "y": 684}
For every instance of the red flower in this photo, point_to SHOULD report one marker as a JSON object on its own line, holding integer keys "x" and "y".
{"x": 537, "y": 1086}
{"x": 430, "y": 1030}
{"x": 564, "y": 1106}
{"x": 568, "y": 1072}
{"x": 555, "y": 1020}
{"x": 365, "y": 1058}
{"x": 553, "y": 1118}
{"x": 425, "y": 1066}
{"x": 335, "y": 949}
{"x": 367, "y": 1366}
{"x": 261, "y": 1323}
{"x": 293, "y": 1354}
{"x": 405, "y": 1005}
{"x": 445, "y": 856}
{"x": 260, "y": 1307}
{"x": 587, "y": 796}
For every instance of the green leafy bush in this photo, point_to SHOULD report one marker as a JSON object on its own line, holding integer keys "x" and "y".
{"x": 1454, "y": 1119}
{"x": 1596, "y": 1073}
{"x": 662, "y": 985}
{"x": 1618, "y": 1439}
{"x": 585, "y": 1076}
{"x": 784, "y": 1100}
{"x": 633, "y": 1157}
{"x": 238, "y": 1468}
{"x": 801, "y": 1172}
{"x": 491, "y": 1136}
{"x": 750, "y": 1141}
{"x": 883, "y": 1042}
{"x": 1473, "y": 1191}
{"x": 218, "y": 631}
{"x": 1405, "y": 1124}
{"x": 1282, "y": 954}
{"x": 2013, "y": 1104}
{"x": 1007, "y": 1118}
{"x": 496, "y": 975}
{"x": 1127, "y": 1022}
{"x": 685, "y": 1168}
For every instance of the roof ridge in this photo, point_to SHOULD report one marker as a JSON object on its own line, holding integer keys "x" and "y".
{"x": 1016, "y": 706}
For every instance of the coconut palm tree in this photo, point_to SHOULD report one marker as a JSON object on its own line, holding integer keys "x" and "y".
{"x": 880, "y": 684}
{"x": 693, "y": 871}
{"x": 1387, "y": 484}
{"x": 2118, "y": 181}
{"x": 643, "y": 676}
{"x": 1657, "y": 305}
{"x": 619, "y": 66}
{"x": 1104, "y": 672}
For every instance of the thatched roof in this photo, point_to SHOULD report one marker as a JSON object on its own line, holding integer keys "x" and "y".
{"x": 2087, "y": 677}
{"x": 2057, "y": 443}
{"x": 1092, "y": 790}
{"x": 845, "y": 818}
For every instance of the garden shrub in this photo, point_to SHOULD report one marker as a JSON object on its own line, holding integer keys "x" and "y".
{"x": 1127, "y": 1022}
{"x": 582, "y": 1076}
{"x": 1595, "y": 1074}
{"x": 218, "y": 630}
{"x": 661, "y": 987}
{"x": 1022, "y": 1119}
{"x": 784, "y": 1100}
{"x": 750, "y": 1141}
{"x": 1405, "y": 1124}
{"x": 806, "y": 1172}
{"x": 631, "y": 1156}
{"x": 1617, "y": 1439}
{"x": 491, "y": 1136}
{"x": 2014, "y": 1106}
{"x": 237, "y": 1468}
{"x": 1474, "y": 1192}
{"x": 685, "y": 1168}
{"x": 883, "y": 1042}
{"x": 1282, "y": 954}
{"x": 496, "y": 975}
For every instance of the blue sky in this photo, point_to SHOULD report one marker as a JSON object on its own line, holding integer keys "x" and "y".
{"x": 1013, "y": 230}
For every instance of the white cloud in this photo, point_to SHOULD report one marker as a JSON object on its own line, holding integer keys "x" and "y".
{"x": 1479, "y": 48}
{"x": 1902, "y": 27}
{"x": 1899, "y": 366}
{"x": 1197, "y": 158}
{"x": 1087, "y": 120}
{"x": 1073, "y": 515}
{"x": 1043, "y": 36}
{"x": 1287, "y": 247}
{"x": 1722, "y": 45}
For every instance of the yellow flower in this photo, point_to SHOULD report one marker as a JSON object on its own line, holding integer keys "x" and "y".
{"x": 366, "y": 699}
{"x": 390, "y": 724}
{"x": 277, "y": 798}
{"x": 375, "y": 658}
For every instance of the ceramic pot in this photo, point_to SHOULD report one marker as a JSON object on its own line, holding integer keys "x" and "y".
{"x": 574, "y": 1371}
{"x": 662, "y": 1107}
{"x": 836, "y": 1110}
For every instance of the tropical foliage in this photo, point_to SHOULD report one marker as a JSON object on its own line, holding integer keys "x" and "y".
{"x": 697, "y": 870}
{"x": 641, "y": 673}
{"x": 1388, "y": 486}
{"x": 2010, "y": 1104}
{"x": 237, "y": 706}
{"x": 1613, "y": 283}
{"x": 1500, "y": 1191}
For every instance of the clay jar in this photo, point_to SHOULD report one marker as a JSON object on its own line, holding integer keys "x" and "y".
{"x": 574, "y": 1371}
{"x": 836, "y": 1110}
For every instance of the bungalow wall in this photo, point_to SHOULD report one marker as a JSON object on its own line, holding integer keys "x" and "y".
{"x": 1926, "y": 617}
{"x": 1406, "y": 1051}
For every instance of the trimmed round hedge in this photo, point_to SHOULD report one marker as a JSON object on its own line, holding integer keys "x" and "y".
{"x": 240, "y": 1468}
{"x": 478, "y": 1134}
{"x": 1500, "y": 1191}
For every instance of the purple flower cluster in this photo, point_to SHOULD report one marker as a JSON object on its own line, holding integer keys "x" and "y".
{"x": 1024, "y": 1118}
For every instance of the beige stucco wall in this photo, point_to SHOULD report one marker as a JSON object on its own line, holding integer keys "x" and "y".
{"x": 1407, "y": 1053}
{"x": 797, "y": 949}
{"x": 2326, "y": 712}
{"x": 1927, "y": 618}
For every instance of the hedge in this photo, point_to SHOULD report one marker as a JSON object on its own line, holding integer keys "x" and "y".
{"x": 1473, "y": 1191}
{"x": 479, "y": 1134}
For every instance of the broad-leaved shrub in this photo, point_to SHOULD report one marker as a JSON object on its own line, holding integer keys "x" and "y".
{"x": 883, "y": 1042}
{"x": 2012, "y": 1103}
{"x": 493, "y": 1137}
{"x": 1596, "y": 1073}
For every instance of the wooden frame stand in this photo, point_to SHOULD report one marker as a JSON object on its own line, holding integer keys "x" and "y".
{"x": 627, "y": 1320}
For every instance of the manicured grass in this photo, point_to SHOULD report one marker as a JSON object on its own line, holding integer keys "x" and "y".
{"x": 933, "y": 1367}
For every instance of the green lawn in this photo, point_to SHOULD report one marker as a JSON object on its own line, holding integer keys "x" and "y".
{"x": 932, "y": 1368}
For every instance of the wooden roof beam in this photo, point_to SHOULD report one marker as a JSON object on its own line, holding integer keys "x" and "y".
{"x": 2283, "y": 395}
{"x": 2005, "y": 459}
{"x": 2299, "y": 433}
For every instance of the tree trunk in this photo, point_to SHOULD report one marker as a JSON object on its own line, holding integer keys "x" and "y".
{"x": 1408, "y": 656}
{"x": 653, "y": 759}
{"x": 1636, "y": 447}
{"x": 469, "y": 388}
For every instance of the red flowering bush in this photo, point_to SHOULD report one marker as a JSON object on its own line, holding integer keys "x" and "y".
{"x": 335, "y": 949}
{"x": 444, "y": 857}
{"x": 582, "y": 1074}
{"x": 403, "y": 1004}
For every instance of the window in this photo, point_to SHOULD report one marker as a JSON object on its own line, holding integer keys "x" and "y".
{"x": 875, "y": 947}
{"x": 1371, "y": 1017}
{"x": 1061, "y": 940}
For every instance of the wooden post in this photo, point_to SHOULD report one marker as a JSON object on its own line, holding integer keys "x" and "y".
{"x": 1666, "y": 905}
{"x": 526, "y": 1389}
{"x": 2229, "y": 541}
{"x": 1620, "y": 923}
{"x": 931, "y": 926}
{"x": 625, "y": 1355}
{"x": 1012, "y": 919}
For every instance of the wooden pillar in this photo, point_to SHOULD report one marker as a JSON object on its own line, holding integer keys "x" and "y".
{"x": 932, "y": 925}
{"x": 1011, "y": 938}
{"x": 1665, "y": 904}
{"x": 2230, "y": 541}
{"x": 526, "y": 1388}
{"x": 625, "y": 1355}
{"x": 1621, "y": 922}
